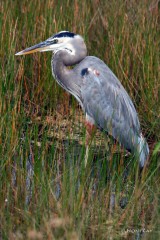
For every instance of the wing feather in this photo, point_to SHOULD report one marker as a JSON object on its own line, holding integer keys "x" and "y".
{"x": 107, "y": 102}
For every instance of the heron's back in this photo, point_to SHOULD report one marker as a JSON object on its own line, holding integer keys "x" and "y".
{"x": 106, "y": 101}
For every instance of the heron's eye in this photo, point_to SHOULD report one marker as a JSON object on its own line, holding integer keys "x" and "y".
{"x": 55, "y": 41}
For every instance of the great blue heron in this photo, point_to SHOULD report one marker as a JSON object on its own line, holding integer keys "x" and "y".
{"x": 102, "y": 97}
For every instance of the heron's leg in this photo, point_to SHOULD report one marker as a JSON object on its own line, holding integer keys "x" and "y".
{"x": 86, "y": 155}
{"x": 90, "y": 132}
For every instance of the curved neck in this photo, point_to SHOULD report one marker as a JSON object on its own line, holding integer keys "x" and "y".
{"x": 67, "y": 77}
{"x": 61, "y": 60}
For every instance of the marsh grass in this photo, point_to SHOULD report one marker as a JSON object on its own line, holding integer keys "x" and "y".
{"x": 45, "y": 190}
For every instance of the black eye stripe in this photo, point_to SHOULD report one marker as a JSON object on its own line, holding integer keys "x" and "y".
{"x": 65, "y": 34}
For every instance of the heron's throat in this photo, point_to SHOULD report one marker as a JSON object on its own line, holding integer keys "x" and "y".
{"x": 61, "y": 72}
{"x": 65, "y": 76}
{"x": 62, "y": 59}
{"x": 59, "y": 69}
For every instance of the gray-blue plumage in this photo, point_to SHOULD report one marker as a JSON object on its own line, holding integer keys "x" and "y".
{"x": 106, "y": 101}
{"x": 101, "y": 95}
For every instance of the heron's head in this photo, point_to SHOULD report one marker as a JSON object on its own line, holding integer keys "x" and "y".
{"x": 64, "y": 40}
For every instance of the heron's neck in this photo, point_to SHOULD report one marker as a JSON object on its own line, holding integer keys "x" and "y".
{"x": 67, "y": 78}
{"x": 61, "y": 60}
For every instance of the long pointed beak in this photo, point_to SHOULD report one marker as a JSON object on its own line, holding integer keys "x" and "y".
{"x": 40, "y": 47}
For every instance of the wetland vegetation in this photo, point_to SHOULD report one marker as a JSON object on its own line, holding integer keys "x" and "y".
{"x": 45, "y": 190}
